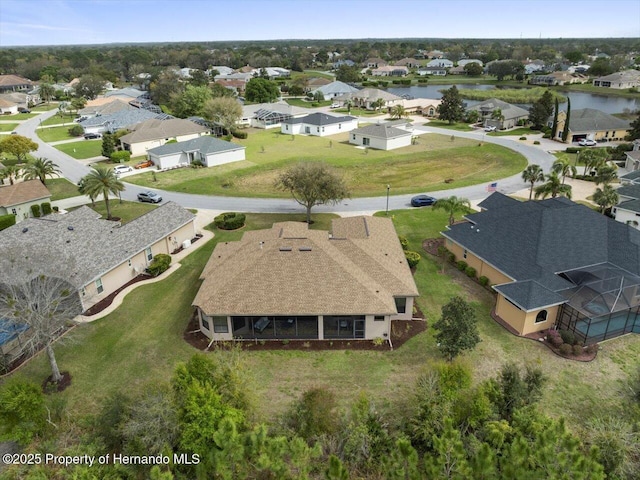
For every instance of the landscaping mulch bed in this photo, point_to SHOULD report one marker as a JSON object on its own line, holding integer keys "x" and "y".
{"x": 401, "y": 332}
{"x": 105, "y": 302}
{"x": 49, "y": 386}
{"x": 585, "y": 356}
{"x": 431, "y": 245}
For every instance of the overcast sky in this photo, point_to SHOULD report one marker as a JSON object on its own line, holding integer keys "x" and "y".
{"x": 63, "y": 22}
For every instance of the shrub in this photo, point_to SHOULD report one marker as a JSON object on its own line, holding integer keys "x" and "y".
{"x": 536, "y": 142}
{"x": 159, "y": 264}
{"x": 442, "y": 251}
{"x": 565, "y": 349}
{"x": 572, "y": 150}
{"x": 577, "y": 350}
{"x": 239, "y": 134}
{"x": 35, "y": 210}
{"x": 286, "y": 341}
{"x": 403, "y": 241}
{"x": 470, "y": 271}
{"x": 76, "y": 131}
{"x": 7, "y": 220}
{"x": 229, "y": 221}
{"x": 523, "y": 138}
{"x": 568, "y": 337}
{"x": 484, "y": 281}
{"x": 197, "y": 164}
{"x": 451, "y": 257}
{"x": 591, "y": 349}
{"x": 546, "y": 135}
{"x": 378, "y": 341}
{"x": 462, "y": 265}
{"x": 46, "y": 208}
{"x": 119, "y": 157}
{"x": 413, "y": 258}
{"x": 556, "y": 341}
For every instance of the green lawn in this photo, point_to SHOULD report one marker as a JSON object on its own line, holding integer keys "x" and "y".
{"x": 126, "y": 211}
{"x": 516, "y": 131}
{"x": 45, "y": 107}
{"x": 61, "y": 188}
{"x": 22, "y": 116}
{"x": 82, "y": 149}
{"x": 360, "y": 112}
{"x": 142, "y": 341}
{"x": 59, "y": 119}
{"x": 54, "y": 134}
{"x": 411, "y": 169}
{"x": 8, "y": 127}
{"x": 459, "y": 126}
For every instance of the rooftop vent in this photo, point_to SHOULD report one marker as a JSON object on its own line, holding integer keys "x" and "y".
{"x": 285, "y": 249}
{"x": 305, "y": 249}
{"x": 70, "y": 228}
{"x": 25, "y": 230}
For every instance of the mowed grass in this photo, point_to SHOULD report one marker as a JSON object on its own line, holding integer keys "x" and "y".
{"x": 515, "y": 131}
{"x": 82, "y": 148}
{"x": 8, "y": 127}
{"x": 54, "y": 134}
{"x": 425, "y": 165}
{"x": 459, "y": 126}
{"x": 59, "y": 119}
{"x": 45, "y": 107}
{"x": 61, "y": 188}
{"x": 142, "y": 342}
{"x": 124, "y": 210}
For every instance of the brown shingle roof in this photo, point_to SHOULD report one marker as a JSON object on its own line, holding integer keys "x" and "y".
{"x": 13, "y": 80}
{"x": 22, "y": 192}
{"x": 289, "y": 270}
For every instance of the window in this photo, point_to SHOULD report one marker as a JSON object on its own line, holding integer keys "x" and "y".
{"x": 541, "y": 317}
{"x": 220, "y": 325}
{"x": 378, "y": 318}
{"x": 365, "y": 141}
{"x": 99, "y": 286}
{"x": 148, "y": 253}
{"x": 354, "y": 136}
{"x": 14, "y": 211}
{"x": 323, "y": 129}
{"x": 401, "y": 304}
{"x": 317, "y": 129}
{"x": 205, "y": 323}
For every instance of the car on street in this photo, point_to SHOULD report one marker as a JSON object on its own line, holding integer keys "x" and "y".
{"x": 91, "y": 136}
{"x": 150, "y": 197}
{"x": 422, "y": 201}
{"x": 335, "y": 105}
{"x": 587, "y": 142}
{"x": 122, "y": 169}
{"x": 23, "y": 110}
{"x": 144, "y": 164}
{"x": 489, "y": 128}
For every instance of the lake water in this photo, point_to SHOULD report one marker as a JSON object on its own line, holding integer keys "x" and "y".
{"x": 579, "y": 100}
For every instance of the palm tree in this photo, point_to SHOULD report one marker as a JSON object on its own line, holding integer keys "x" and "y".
{"x": 593, "y": 159}
{"x": 553, "y": 186}
{"x": 398, "y": 111}
{"x": 101, "y": 181}
{"x": 606, "y": 174}
{"x": 453, "y": 205}
{"x": 378, "y": 104}
{"x": 533, "y": 174}
{"x": 563, "y": 167}
{"x": 605, "y": 197}
{"x": 40, "y": 169}
{"x": 12, "y": 172}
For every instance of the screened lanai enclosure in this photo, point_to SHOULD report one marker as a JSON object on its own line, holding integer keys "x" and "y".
{"x": 298, "y": 327}
{"x": 604, "y": 303}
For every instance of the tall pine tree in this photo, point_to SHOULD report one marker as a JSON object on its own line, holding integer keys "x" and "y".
{"x": 554, "y": 127}
{"x": 565, "y": 131}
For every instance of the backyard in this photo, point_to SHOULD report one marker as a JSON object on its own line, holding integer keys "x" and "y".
{"x": 426, "y": 165}
{"x": 143, "y": 340}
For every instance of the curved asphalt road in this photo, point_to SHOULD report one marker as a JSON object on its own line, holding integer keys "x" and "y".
{"x": 74, "y": 170}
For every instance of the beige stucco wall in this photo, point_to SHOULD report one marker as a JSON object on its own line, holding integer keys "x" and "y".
{"x": 483, "y": 269}
{"x": 530, "y": 324}
{"x": 23, "y": 211}
{"x": 141, "y": 148}
{"x": 524, "y": 322}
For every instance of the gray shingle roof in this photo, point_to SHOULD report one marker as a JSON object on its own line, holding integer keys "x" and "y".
{"x": 121, "y": 119}
{"x": 205, "y": 144}
{"x": 537, "y": 240}
{"x": 508, "y": 111}
{"x": 592, "y": 120}
{"x": 159, "y": 128}
{"x": 80, "y": 247}
{"x": 529, "y": 295}
{"x": 497, "y": 200}
{"x": 333, "y": 88}
{"x": 631, "y": 191}
{"x": 632, "y": 205}
{"x": 631, "y": 176}
{"x": 380, "y": 130}
{"x": 320, "y": 119}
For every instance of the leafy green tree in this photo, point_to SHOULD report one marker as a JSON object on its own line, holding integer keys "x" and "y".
{"x": 453, "y": 205}
{"x": 23, "y": 412}
{"x": 191, "y": 102}
{"x": 378, "y": 104}
{"x": 553, "y": 187}
{"x": 593, "y": 159}
{"x": 457, "y": 328}
{"x": 348, "y": 74}
{"x": 601, "y": 67}
{"x": 165, "y": 87}
{"x": 606, "y": 197}
{"x": 199, "y": 78}
{"x": 634, "y": 131}
{"x": 78, "y": 103}
{"x": 515, "y": 391}
{"x": 574, "y": 56}
{"x": 108, "y": 144}
{"x": 314, "y": 414}
{"x": 40, "y": 168}
{"x": 563, "y": 167}
{"x": 533, "y": 174}
{"x": 101, "y": 181}
{"x": 261, "y": 90}
{"x": 402, "y": 463}
{"x": 225, "y": 111}
{"x": 311, "y": 184}
{"x": 398, "y": 111}
{"x": 451, "y": 108}
{"x": 565, "y": 130}
{"x": 89, "y": 86}
{"x": 18, "y": 146}
{"x": 505, "y": 68}
{"x": 541, "y": 110}
{"x": 47, "y": 91}
{"x": 473, "y": 69}
{"x": 336, "y": 471}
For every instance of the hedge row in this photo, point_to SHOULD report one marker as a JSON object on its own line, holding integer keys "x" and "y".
{"x": 7, "y": 220}
{"x": 119, "y": 157}
{"x": 229, "y": 221}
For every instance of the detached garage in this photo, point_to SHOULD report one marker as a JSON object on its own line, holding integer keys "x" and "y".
{"x": 381, "y": 137}
{"x": 208, "y": 150}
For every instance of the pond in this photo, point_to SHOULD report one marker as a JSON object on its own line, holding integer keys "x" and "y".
{"x": 579, "y": 100}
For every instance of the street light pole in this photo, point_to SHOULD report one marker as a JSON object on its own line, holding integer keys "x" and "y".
{"x": 387, "y": 210}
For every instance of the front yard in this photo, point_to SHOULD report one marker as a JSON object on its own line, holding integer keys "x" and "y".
{"x": 82, "y": 149}
{"x": 54, "y": 134}
{"x": 416, "y": 168}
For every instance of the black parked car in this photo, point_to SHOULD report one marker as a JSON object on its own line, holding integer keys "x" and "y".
{"x": 90, "y": 136}
{"x": 151, "y": 197}
{"x": 422, "y": 201}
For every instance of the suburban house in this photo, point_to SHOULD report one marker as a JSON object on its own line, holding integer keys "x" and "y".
{"x": 436, "y": 71}
{"x": 459, "y": 70}
{"x": 210, "y": 151}
{"x": 499, "y": 114}
{"x": 118, "y": 120}
{"x": 390, "y": 71}
{"x": 558, "y": 78}
{"x": 632, "y": 162}
{"x": 367, "y": 97}
{"x": 553, "y": 263}
{"x": 423, "y": 106}
{"x": 154, "y": 133}
{"x": 8, "y": 107}
{"x": 619, "y": 80}
{"x": 627, "y": 210}
{"x": 466, "y": 61}
{"x": 593, "y": 124}
{"x": 532, "y": 66}
{"x": 334, "y": 89}
{"x": 113, "y": 105}
{"x": 21, "y": 99}
{"x": 375, "y": 63}
{"x": 66, "y": 246}
{"x": 440, "y": 63}
{"x": 15, "y": 83}
{"x": 221, "y": 69}
{"x": 317, "y": 82}
{"x": 319, "y": 125}
{"x": 127, "y": 94}
{"x": 289, "y": 282}
{"x": 408, "y": 62}
{"x": 269, "y": 115}
{"x": 382, "y": 136}
{"x": 18, "y": 198}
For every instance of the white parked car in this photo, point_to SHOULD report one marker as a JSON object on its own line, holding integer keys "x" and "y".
{"x": 122, "y": 169}
{"x": 586, "y": 142}
{"x": 335, "y": 105}
{"x": 489, "y": 128}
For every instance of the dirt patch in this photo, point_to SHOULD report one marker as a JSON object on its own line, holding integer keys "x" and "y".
{"x": 49, "y": 386}
{"x": 105, "y": 302}
{"x": 401, "y": 332}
